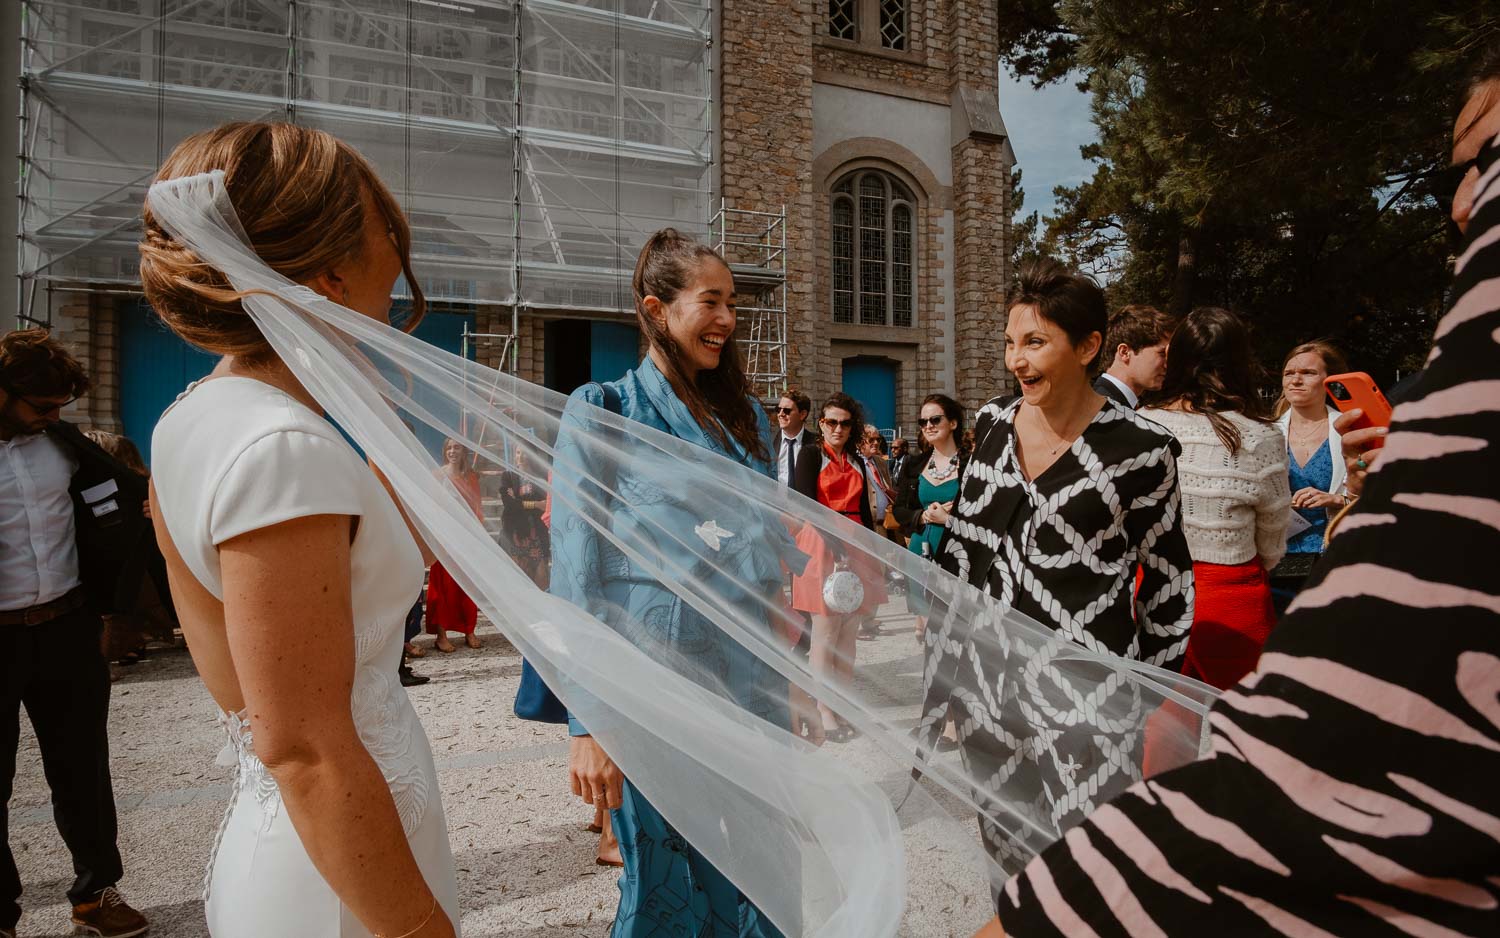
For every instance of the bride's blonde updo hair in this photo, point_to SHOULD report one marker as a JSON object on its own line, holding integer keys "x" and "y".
{"x": 299, "y": 194}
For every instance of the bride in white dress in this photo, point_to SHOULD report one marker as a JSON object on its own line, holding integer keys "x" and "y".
{"x": 292, "y": 567}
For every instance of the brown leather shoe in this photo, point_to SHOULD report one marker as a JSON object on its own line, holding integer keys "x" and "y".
{"x": 109, "y": 916}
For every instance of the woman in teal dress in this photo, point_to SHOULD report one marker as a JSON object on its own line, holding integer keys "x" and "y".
{"x": 928, "y": 485}
{"x": 692, "y": 386}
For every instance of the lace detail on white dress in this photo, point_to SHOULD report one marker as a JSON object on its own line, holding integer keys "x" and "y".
{"x": 388, "y": 727}
{"x": 239, "y": 752}
{"x": 249, "y": 771}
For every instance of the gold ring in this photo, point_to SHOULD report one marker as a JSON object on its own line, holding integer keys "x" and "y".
{"x": 1360, "y": 463}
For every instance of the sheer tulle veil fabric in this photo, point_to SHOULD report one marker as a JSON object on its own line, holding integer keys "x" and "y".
{"x": 689, "y": 699}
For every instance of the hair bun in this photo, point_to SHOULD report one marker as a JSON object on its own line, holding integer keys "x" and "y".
{"x": 194, "y": 299}
{"x": 302, "y": 196}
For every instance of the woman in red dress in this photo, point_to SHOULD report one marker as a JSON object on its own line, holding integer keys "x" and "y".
{"x": 449, "y": 609}
{"x": 834, "y": 474}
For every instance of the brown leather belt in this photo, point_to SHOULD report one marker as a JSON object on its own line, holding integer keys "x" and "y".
{"x": 45, "y": 612}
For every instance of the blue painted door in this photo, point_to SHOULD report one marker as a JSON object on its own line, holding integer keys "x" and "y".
{"x": 614, "y": 348}
{"x": 154, "y": 366}
{"x": 578, "y": 351}
{"x": 872, "y": 382}
{"x": 444, "y": 330}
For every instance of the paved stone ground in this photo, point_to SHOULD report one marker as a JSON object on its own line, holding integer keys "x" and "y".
{"x": 525, "y": 861}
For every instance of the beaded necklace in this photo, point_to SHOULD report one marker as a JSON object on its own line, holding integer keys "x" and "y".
{"x": 942, "y": 475}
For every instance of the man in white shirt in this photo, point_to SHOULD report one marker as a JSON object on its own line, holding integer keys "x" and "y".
{"x": 1137, "y": 338}
{"x": 50, "y": 660}
{"x": 791, "y": 417}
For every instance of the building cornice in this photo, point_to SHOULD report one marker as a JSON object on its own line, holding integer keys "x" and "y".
{"x": 827, "y": 76}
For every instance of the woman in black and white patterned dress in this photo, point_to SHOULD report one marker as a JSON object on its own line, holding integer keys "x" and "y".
{"x": 1350, "y": 788}
{"x": 1066, "y": 495}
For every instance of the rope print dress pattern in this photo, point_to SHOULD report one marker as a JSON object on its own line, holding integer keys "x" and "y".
{"x": 1351, "y": 787}
{"x": 1063, "y": 549}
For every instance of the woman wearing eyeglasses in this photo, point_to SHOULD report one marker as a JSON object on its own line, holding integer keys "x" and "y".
{"x": 832, "y": 472}
{"x": 929, "y": 484}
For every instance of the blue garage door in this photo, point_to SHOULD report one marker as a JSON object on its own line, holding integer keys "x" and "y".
{"x": 155, "y": 366}
{"x": 614, "y": 348}
{"x": 446, "y": 331}
{"x": 577, "y": 351}
{"x": 872, "y": 382}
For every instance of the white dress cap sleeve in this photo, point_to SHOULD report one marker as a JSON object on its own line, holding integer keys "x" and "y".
{"x": 284, "y": 475}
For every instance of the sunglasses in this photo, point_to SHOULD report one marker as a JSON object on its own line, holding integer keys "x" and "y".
{"x": 837, "y": 424}
{"x": 930, "y": 421}
{"x": 784, "y": 411}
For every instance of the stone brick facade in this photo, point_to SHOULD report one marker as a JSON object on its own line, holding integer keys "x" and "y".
{"x": 924, "y": 115}
{"x": 87, "y": 326}
{"x": 778, "y": 146}
{"x": 922, "y": 65}
{"x": 766, "y": 142}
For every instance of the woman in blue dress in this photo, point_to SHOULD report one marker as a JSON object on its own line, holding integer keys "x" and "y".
{"x": 691, "y": 385}
{"x": 929, "y": 484}
{"x": 1315, "y": 461}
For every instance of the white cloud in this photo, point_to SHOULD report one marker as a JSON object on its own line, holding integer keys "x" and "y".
{"x": 1046, "y": 126}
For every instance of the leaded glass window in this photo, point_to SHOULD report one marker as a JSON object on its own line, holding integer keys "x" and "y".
{"x": 893, "y": 24}
{"x": 873, "y": 253}
{"x": 843, "y": 19}
{"x": 843, "y": 260}
{"x": 901, "y": 266}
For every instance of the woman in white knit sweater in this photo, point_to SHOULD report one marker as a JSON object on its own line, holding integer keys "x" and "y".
{"x": 1235, "y": 499}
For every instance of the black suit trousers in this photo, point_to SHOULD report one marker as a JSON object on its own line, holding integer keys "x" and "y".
{"x": 58, "y": 673}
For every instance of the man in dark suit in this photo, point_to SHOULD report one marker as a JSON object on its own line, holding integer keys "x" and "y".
{"x": 1137, "y": 339}
{"x": 791, "y": 417}
{"x": 71, "y": 518}
{"x": 898, "y": 457}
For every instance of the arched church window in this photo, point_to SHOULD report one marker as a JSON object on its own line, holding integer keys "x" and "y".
{"x": 873, "y": 250}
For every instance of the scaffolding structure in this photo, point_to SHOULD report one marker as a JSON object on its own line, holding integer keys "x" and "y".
{"x": 754, "y": 245}
{"x": 534, "y": 144}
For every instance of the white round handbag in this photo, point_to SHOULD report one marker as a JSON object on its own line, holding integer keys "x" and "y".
{"x": 843, "y": 591}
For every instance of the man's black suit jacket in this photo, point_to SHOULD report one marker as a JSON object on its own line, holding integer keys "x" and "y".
{"x": 1111, "y": 390}
{"x": 116, "y": 543}
{"x": 804, "y": 438}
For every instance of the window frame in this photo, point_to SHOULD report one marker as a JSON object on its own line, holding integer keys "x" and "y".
{"x": 878, "y": 11}
{"x": 897, "y": 195}
{"x": 858, "y": 20}
{"x": 868, "y": 36}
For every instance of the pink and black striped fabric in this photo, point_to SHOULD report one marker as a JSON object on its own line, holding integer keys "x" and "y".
{"x": 1354, "y": 782}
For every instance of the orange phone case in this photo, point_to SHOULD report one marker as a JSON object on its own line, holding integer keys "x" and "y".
{"x": 1359, "y": 390}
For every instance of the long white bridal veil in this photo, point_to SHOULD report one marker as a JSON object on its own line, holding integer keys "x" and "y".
{"x": 674, "y": 654}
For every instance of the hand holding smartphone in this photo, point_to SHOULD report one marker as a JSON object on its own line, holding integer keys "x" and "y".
{"x": 1357, "y": 389}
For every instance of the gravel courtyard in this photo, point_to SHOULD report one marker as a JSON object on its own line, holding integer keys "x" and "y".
{"x": 525, "y": 861}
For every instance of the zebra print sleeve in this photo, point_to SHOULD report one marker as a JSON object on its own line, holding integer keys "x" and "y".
{"x": 1353, "y": 787}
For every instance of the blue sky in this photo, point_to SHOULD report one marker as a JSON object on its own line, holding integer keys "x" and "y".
{"x": 1047, "y": 127}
